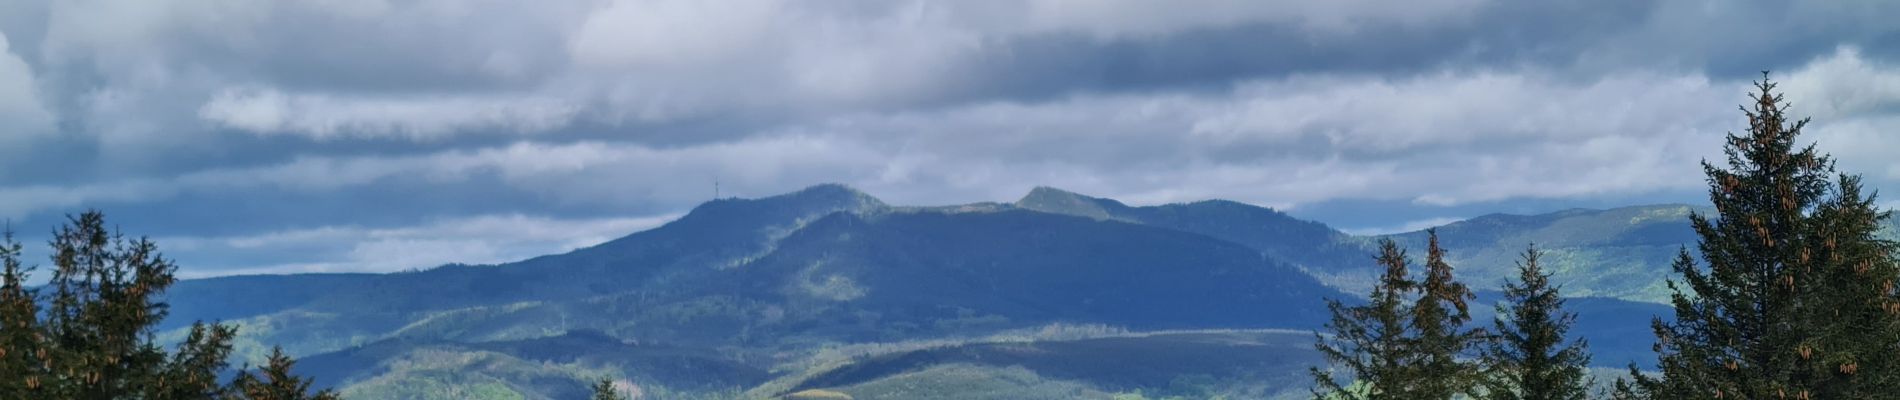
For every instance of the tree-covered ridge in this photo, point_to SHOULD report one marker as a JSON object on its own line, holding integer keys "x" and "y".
{"x": 88, "y": 332}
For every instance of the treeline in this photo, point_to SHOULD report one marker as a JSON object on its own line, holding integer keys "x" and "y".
{"x": 87, "y": 333}
{"x": 1792, "y": 297}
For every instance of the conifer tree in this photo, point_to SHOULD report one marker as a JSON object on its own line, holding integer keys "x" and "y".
{"x": 1371, "y": 342}
{"x": 274, "y": 382}
{"x": 22, "y": 352}
{"x": 604, "y": 390}
{"x": 1529, "y": 356}
{"x": 102, "y": 310}
{"x": 1438, "y": 317}
{"x": 1794, "y": 296}
{"x": 1405, "y": 342}
{"x": 193, "y": 370}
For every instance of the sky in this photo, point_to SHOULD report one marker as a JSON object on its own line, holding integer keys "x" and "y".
{"x": 381, "y": 135}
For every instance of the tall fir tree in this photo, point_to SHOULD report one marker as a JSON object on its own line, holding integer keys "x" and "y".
{"x": 1371, "y": 342}
{"x": 1529, "y": 356}
{"x": 1794, "y": 297}
{"x": 1438, "y": 317}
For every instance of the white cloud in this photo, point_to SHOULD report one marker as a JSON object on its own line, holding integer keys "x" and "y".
{"x": 484, "y": 239}
{"x": 1440, "y": 139}
{"x": 676, "y": 33}
{"x": 20, "y": 104}
{"x": 1465, "y": 108}
{"x": 329, "y": 117}
{"x": 1855, "y": 103}
{"x": 1115, "y": 18}
{"x": 1843, "y": 85}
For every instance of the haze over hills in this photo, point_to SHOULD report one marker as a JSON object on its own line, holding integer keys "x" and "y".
{"x": 765, "y": 291}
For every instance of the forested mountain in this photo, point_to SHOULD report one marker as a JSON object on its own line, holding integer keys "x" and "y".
{"x": 758, "y": 290}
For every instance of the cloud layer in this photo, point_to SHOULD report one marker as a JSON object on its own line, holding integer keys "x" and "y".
{"x": 344, "y": 127}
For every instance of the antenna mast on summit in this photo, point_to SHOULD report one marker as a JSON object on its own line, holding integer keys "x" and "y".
{"x": 715, "y": 189}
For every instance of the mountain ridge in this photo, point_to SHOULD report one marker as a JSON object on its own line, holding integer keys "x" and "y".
{"x": 758, "y": 284}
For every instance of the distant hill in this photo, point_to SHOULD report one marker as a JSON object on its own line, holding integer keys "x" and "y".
{"x": 714, "y": 236}
{"x": 1328, "y": 254}
{"x": 1621, "y": 253}
{"x": 749, "y": 290}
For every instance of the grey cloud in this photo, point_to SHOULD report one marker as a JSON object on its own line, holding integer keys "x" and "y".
{"x": 657, "y": 60}
{"x": 1442, "y": 139}
{"x": 231, "y": 119}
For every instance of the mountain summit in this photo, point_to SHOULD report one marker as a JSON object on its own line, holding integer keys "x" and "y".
{"x": 1057, "y": 201}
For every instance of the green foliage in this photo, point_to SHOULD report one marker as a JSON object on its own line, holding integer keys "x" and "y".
{"x": 1794, "y": 297}
{"x": 94, "y": 339}
{"x": 1529, "y": 357}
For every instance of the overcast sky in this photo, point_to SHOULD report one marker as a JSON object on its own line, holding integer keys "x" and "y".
{"x": 377, "y": 135}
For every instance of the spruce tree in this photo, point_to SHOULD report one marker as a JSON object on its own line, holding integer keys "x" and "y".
{"x": 1438, "y": 317}
{"x": 102, "y": 310}
{"x": 1857, "y": 316}
{"x": 274, "y": 382}
{"x": 1794, "y": 296}
{"x": 1371, "y": 341}
{"x": 1529, "y": 356}
{"x": 194, "y": 367}
{"x": 1405, "y": 342}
